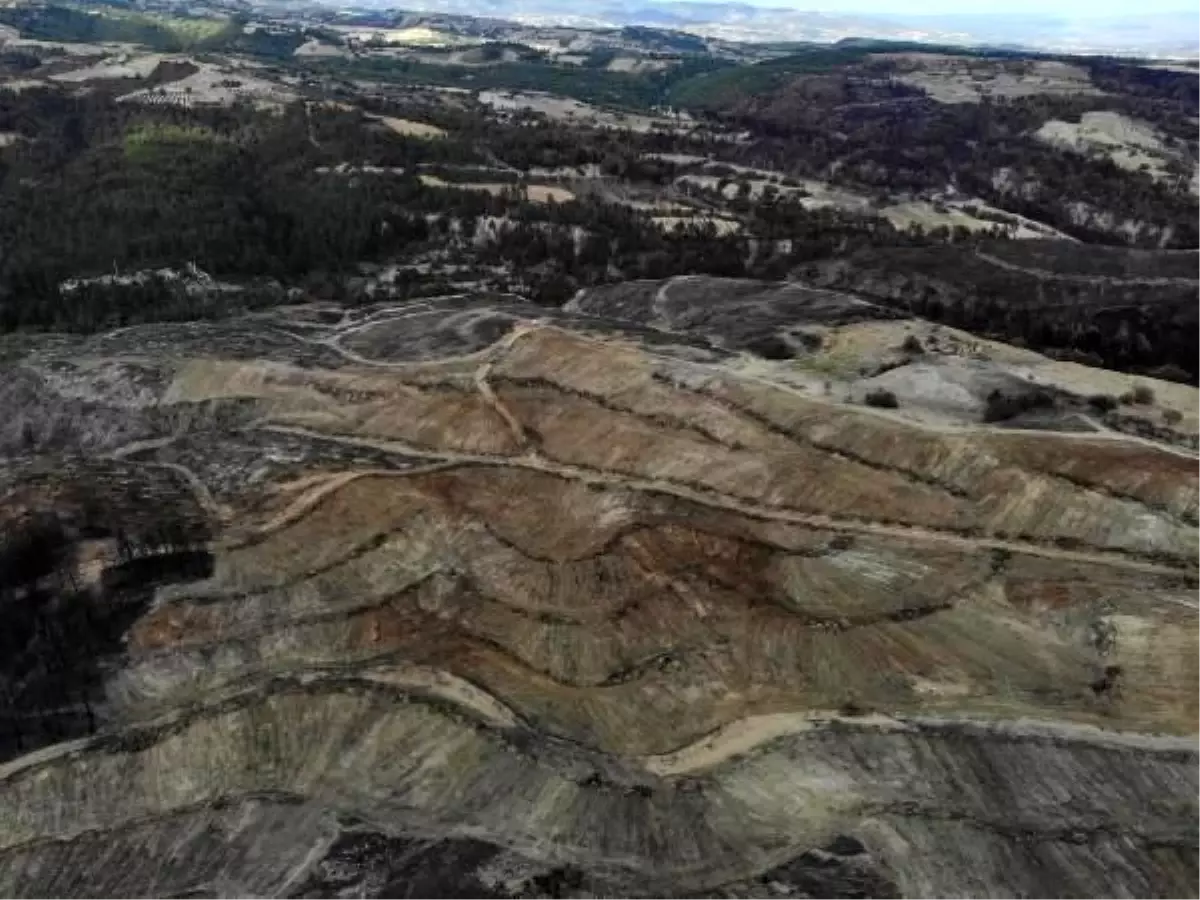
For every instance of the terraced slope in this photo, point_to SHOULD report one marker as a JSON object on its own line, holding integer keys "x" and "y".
{"x": 463, "y": 598}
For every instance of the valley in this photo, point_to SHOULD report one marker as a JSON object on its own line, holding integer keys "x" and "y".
{"x": 451, "y": 456}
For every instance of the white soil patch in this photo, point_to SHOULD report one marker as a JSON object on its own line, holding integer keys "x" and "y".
{"x": 742, "y": 736}
{"x": 948, "y": 388}
{"x": 823, "y": 196}
{"x": 123, "y": 66}
{"x": 546, "y": 104}
{"x": 679, "y": 159}
{"x": 623, "y": 64}
{"x": 1174, "y": 67}
{"x": 811, "y": 194}
{"x": 1130, "y": 144}
{"x": 814, "y": 194}
{"x": 535, "y": 193}
{"x": 211, "y": 86}
{"x": 406, "y": 37}
{"x": 56, "y": 47}
{"x": 92, "y": 559}
{"x": 587, "y": 170}
{"x": 412, "y": 128}
{"x": 1018, "y": 226}
{"x": 348, "y": 169}
{"x": 434, "y": 181}
{"x": 316, "y": 49}
{"x": 660, "y": 207}
{"x": 928, "y": 216}
{"x": 428, "y": 37}
{"x": 974, "y": 215}
{"x": 847, "y": 350}
{"x": 544, "y": 193}
{"x": 449, "y": 687}
{"x": 22, "y": 84}
{"x": 636, "y": 65}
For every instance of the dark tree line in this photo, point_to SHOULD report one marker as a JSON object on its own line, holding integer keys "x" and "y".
{"x": 99, "y": 189}
{"x": 1117, "y": 324}
{"x": 861, "y": 129}
{"x": 60, "y": 632}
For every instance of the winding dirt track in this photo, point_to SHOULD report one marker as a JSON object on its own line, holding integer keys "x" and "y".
{"x": 531, "y": 459}
{"x": 492, "y": 355}
{"x": 745, "y": 735}
{"x": 1047, "y": 275}
{"x": 534, "y": 461}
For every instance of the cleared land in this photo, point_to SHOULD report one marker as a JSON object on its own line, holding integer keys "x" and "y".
{"x": 729, "y": 622}
{"x": 961, "y": 79}
{"x": 717, "y": 223}
{"x": 121, "y": 66}
{"x": 973, "y": 216}
{"x": 217, "y": 86}
{"x": 569, "y": 110}
{"x": 537, "y": 193}
{"x": 1130, "y": 144}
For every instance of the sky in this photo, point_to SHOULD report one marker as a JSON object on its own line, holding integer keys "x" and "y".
{"x": 1082, "y": 9}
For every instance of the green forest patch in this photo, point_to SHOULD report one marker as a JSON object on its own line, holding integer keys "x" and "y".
{"x": 142, "y": 142}
{"x": 90, "y": 25}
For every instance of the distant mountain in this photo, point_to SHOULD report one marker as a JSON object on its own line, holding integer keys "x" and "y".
{"x": 1158, "y": 35}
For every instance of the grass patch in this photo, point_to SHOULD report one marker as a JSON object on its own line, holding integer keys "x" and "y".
{"x": 142, "y": 142}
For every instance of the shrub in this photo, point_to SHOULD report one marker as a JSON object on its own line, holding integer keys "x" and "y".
{"x": 771, "y": 346}
{"x": 912, "y": 345}
{"x": 1001, "y": 406}
{"x": 998, "y": 407}
{"x": 1172, "y": 416}
{"x": 1109, "y": 681}
{"x": 1141, "y": 395}
{"x": 882, "y": 399}
{"x": 1102, "y": 402}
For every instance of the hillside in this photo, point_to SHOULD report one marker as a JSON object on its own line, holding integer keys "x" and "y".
{"x": 465, "y": 595}
{"x": 446, "y": 455}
